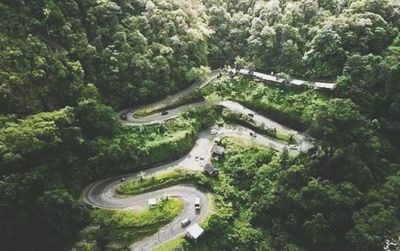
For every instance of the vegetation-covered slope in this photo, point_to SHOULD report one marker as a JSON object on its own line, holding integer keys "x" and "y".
{"x": 65, "y": 65}
{"x": 133, "y": 51}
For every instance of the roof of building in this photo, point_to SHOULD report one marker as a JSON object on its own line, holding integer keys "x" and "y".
{"x": 209, "y": 168}
{"x": 195, "y": 231}
{"x": 274, "y": 79}
{"x": 324, "y": 85}
{"x": 153, "y": 201}
{"x": 219, "y": 150}
{"x": 298, "y": 82}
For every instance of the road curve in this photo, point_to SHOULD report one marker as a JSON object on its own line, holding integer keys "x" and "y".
{"x": 159, "y": 105}
{"x": 101, "y": 194}
{"x": 304, "y": 143}
{"x": 158, "y": 117}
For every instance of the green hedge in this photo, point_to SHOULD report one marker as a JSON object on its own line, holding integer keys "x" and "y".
{"x": 172, "y": 147}
{"x": 159, "y": 181}
{"x": 244, "y": 120}
{"x": 117, "y": 229}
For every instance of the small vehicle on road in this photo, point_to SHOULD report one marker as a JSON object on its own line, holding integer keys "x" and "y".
{"x": 202, "y": 163}
{"x": 164, "y": 113}
{"x": 197, "y": 203}
{"x": 185, "y": 222}
{"x": 293, "y": 147}
{"x": 251, "y": 114}
{"x": 253, "y": 134}
{"x": 122, "y": 179}
{"x": 213, "y": 132}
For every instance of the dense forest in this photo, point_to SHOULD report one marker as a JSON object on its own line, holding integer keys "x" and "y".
{"x": 67, "y": 66}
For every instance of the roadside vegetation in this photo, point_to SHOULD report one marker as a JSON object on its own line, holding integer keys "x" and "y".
{"x": 158, "y": 181}
{"x": 187, "y": 98}
{"x": 294, "y": 108}
{"x": 171, "y": 245}
{"x": 231, "y": 220}
{"x": 247, "y": 121}
{"x": 261, "y": 195}
{"x": 66, "y": 67}
{"x": 117, "y": 229}
{"x": 144, "y": 147}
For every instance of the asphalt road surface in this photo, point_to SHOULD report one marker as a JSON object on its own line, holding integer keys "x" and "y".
{"x": 101, "y": 194}
{"x": 304, "y": 143}
{"x": 158, "y": 117}
{"x": 174, "y": 98}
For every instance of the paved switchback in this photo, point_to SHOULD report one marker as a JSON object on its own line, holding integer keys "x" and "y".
{"x": 101, "y": 194}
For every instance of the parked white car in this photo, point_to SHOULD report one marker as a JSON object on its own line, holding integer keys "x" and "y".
{"x": 197, "y": 203}
{"x": 185, "y": 222}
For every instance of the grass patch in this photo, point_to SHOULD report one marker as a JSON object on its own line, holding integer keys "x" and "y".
{"x": 117, "y": 229}
{"x": 171, "y": 137}
{"x": 165, "y": 211}
{"x": 186, "y": 98}
{"x": 171, "y": 245}
{"x": 294, "y": 108}
{"x": 244, "y": 120}
{"x": 144, "y": 112}
{"x": 159, "y": 181}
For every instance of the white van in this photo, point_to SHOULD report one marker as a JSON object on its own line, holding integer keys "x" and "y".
{"x": 185, "y": 222}
{"x": 197, "y": 203}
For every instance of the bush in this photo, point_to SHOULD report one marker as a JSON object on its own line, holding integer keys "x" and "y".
{"x": 238, "y": 118}
{"x": 162, "y": 180}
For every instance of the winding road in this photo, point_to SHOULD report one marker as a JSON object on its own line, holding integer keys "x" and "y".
{"x": 101, "y": 194}
{"x": 158, "y": 117}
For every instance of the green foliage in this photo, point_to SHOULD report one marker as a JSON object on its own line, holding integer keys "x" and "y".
{"x": 62, "y": 62}
{"x": 125, "y": 48}
{"x": 372, "y": 83}
{"x": 170, "y": 245}
{"x": 350, "y": 148}
{"x": 67, "y": 149}
{"x": 187, "y": 98}
{"x": 28, "y": 142}
{"x": 307, "y": 39}
{"x": 34, "y": 79}
{"x": 238, "y": 118}
{"x": 120, "y": 228}
{"x": 165, "y": 211}
{"x": 62, "y": 216}
{"x": 96, "y": 119}
{"x": 135, "y": 148}
{"x": 324, "y": 54}
{"x": 151, "y": 183}
{"x": 290, "y": 107}
{"x": 198, "y": 74}
{"x": 29, "y": 210}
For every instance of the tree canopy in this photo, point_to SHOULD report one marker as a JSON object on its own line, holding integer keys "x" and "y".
{"x": 68, "y": 66}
